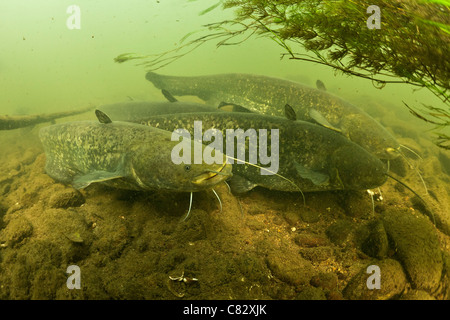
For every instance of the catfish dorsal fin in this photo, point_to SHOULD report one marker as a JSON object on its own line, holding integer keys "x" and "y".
{"x": 289, "y": 112}
{"x": 102, "y": 117}
{"x": 320, "y": 85}
{"x": 232, "y": 107}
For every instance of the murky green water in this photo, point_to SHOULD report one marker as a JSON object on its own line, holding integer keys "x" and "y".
{"x": 46, "y": 67}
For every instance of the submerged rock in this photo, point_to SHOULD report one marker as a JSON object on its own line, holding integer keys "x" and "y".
{"x": 392, "y": 282}
{"x": 310, "y": 240}
{"x": 16, "y": 232}
{"x": 444, "y": 292}
{"x": 65, "y": 198}
{"x": 357, "y": 204}
{"x": 327, "y": 281}
{"x": 416, "y": 295}
{"x": 376, "y": 244}
{"x": 317, "y": 254}
{"x": 417, "y": 247}
{"x": 340, "y": 231}
{"x": 309, "y": 215}
{"x": 437, "y": 205}
{"x": 295, "y": 270}
{"x": 311, "y": 293}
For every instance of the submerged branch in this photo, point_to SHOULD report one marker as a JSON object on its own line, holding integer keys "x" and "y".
{"x": 15, "y": 122}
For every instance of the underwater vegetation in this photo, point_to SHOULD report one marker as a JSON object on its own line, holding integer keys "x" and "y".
{"x": 411, "y": 45}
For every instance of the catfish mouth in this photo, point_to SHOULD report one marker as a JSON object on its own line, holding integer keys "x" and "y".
{"x": 390, "y": 153}
{"x": 212, "y": 177}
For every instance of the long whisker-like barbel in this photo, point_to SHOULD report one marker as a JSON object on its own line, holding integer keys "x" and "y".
{"x": 271, "y": 172}
{"x": 190, "y": 206}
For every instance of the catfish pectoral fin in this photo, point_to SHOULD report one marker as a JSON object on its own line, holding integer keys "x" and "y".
{"x": 320, "y": 119}
{"x": 82, "y": 181}
{"x": 317, "y": 178}
{"x": 239, "y": 184}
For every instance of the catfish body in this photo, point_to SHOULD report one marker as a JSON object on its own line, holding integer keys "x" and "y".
{"x": 268, "y": 95}
{"x": 135, "y": 110}
{"x": 122, "y": 155}
{"x": 311, "y": 157}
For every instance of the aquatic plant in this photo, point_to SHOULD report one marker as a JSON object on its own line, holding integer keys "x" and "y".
{"x": 411, "y": 46}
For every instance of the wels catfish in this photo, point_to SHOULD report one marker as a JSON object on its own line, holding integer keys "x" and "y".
{"x": 269, "y": 96}
{"x": 123, "y": 155}
{"x": 310, "y": 157}
{"x": 135, "y": 110}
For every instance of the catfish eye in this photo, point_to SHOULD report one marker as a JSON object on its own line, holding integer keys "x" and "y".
{"x": 187, "y": 168}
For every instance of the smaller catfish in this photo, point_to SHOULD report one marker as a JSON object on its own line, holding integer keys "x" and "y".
{"x": 268, "y": 95}
{"x": 124, "y": 155}
{"x": 135, "y": 110}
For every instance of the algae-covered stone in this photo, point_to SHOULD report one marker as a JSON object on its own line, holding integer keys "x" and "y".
{"x": 357, "y": 204}
{"x": 416, "y": 295}
{"x": 16, "y": 232}
{"x": 376, "y": 244}
{"x": 65, "y": 198}
{"x": 328, "y": 281}
{"x": 437, "y": 205}
{"x": 339, "y": 232}
{"x": 392, "y": 282}
{"x": 30, "y": 266}
{"x": 294, "y": 269}
{"x": 68, "y": 229}
{"x": 317, "y": 254}
{"x": 311, "y": 293}
{"x": 444, "y": 293}
{"x": 310, "y": 240}
{"x": 46, "y": 283}
{"x": 417, "y": 247}
{"x": 252, "y": 267}
{"x": 309, "y": 216}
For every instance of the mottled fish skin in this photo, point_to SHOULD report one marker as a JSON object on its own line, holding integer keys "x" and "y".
{"x": 269, "y": 96}
{"x": 135, "y": 110}
{"x": 139, "y": 155}
{"x": 316, "y": 148}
